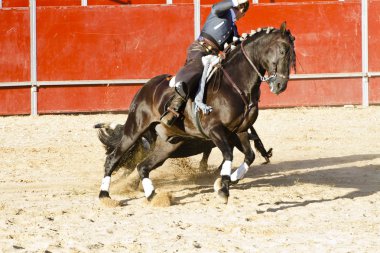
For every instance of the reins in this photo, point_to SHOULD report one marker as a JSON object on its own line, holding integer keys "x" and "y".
{"x": 248, "y": 106}
{"x": 262, "y": 78}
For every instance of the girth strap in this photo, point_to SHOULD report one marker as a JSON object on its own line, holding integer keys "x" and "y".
{"x": 198, "y": 123}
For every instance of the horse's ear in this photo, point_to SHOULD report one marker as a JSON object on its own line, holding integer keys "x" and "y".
{"x": 283, "y": 28}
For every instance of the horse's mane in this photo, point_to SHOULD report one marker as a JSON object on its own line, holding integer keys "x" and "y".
{"x": 261, "y": 36}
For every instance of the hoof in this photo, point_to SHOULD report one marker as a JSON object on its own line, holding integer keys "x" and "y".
{"x": 104, "y": 194}
{"x": 151, "y": 196}
{"x": 270, "y": 153}
{"x": 221, "y": 191}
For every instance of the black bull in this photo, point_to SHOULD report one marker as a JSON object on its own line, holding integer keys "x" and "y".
{"x": 233, "y": 93}
{"x": 111, "y": 134}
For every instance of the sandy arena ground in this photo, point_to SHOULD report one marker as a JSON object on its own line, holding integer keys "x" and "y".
{"x": 321, "y": 192}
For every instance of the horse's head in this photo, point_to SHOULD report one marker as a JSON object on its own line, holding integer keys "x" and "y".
{"x": 273, "y": 50}
{"x": 278, "y": 58}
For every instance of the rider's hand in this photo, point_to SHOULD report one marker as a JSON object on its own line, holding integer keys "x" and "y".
{"x": 238, "y": 2}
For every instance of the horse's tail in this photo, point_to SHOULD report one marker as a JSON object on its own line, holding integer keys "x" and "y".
{"x": 109, "y": 135}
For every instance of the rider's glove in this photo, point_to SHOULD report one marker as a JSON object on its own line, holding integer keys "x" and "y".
{"x": 238, "y": 2}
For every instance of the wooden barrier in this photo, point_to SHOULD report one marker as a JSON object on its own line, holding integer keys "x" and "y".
{"x": 138, "y": 42}
{"x": 25, "y": 3}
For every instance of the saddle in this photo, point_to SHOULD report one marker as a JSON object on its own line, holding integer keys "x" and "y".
{"x": 210, "y": 63}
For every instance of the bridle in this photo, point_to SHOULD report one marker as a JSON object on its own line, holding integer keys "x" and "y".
{"x": 266, "y": 79}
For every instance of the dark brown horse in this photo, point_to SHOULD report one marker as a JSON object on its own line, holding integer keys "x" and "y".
{"x": 233, "y": 92}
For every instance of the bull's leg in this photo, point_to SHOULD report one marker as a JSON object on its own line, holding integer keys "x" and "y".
{"x": 203, "y": 163}
{"x": 249, "y": 156}
{"x": 136, "y": 125}
{"x": 156, "y": 158}
{"x": 219, "y": 135}
{"x": 111, "y": 163}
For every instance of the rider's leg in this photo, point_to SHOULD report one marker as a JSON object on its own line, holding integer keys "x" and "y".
{"x": 187, "y": 80}
{"x": 186, "y": 85}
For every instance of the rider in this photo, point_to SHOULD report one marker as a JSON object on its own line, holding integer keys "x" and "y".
{"x": 219, "y": 29}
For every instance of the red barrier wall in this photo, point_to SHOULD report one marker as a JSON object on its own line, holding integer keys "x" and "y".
{"x": 15, "y": 100}
{"x": 76, "y": 43}
{"x": 25, "y": 3}
{"x": 325, "y": 42}
{"x": 130, "y": 41}
{"x": 14, "y": 45}
{"x": 85, "y": 99}
{"x": 374, "y": 90}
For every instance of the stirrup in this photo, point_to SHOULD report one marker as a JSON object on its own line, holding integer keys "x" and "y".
{"x": 173, "y": 111}
{"x": 169, "y": 117}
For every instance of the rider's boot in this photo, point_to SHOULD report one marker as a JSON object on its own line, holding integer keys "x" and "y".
{"x": 175, "y": 109}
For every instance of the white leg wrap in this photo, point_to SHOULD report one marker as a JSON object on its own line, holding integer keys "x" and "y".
{"x": 240, "y": 172}
{"x": 148, "y": 187}
{"x": 105, "y": 184}
{"x": 226, "y": 168}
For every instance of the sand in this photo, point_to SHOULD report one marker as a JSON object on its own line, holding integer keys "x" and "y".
{"x": 320, "y": 193}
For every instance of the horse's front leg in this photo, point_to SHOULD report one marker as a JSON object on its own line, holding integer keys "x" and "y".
{"x": 219, "y": 136}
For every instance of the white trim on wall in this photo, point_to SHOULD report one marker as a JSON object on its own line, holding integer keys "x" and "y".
{"x": 365, "y": 79}
{"x": 33, "y": 57}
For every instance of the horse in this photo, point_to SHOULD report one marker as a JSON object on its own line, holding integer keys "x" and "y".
{"x": 110, "y": 135}
{"x": 233, "y": 92}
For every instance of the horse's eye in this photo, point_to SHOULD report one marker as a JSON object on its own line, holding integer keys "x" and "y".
{"x": 282, "y": 52}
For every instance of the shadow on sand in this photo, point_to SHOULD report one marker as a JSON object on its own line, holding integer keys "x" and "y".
{"x": 322, "y": 171}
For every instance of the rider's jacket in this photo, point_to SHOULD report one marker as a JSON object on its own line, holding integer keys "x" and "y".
{"x": 220, "y": 24}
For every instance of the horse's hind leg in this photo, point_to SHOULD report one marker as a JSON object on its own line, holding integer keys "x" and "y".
{"x": 203, "y": 163}
{"x": 259, "y": 145}
{"x": 156, "y": 158}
